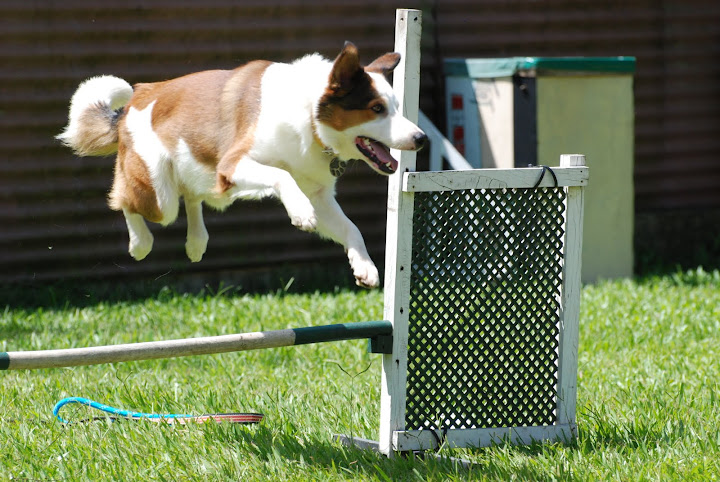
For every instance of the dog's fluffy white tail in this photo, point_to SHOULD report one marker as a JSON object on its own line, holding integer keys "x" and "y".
{"x": 92, "y": 123}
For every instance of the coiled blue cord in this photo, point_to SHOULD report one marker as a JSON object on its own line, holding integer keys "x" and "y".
{"x": 112, "y": 410}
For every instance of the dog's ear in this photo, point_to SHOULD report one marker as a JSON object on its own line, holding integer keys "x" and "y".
{"x": 345, "y": 69}
{"x": 384, "y": 64}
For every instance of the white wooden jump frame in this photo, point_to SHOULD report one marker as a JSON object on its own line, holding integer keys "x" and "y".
{"x": 401, "y": 189}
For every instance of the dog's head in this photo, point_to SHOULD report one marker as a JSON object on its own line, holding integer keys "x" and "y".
{"x": 358, "y": 113}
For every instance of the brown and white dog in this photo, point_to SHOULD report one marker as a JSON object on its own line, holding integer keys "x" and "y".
{"x": 263, "y": 129}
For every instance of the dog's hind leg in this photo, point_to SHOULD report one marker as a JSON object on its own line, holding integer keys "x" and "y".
{"x": 141, "y": 239}
{"x": 197, "y": 235}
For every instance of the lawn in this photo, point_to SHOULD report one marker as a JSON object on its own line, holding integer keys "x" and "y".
{"x": 648, "y": 393}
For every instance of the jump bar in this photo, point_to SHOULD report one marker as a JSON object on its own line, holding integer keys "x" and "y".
{"x": 29, "y": 360}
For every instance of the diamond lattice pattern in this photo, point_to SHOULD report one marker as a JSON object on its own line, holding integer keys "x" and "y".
{"x": 484, "y": 308}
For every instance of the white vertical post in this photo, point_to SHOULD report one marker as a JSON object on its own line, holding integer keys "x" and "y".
{"x": 570, "y": 299}
{"x": 398, "y": 249}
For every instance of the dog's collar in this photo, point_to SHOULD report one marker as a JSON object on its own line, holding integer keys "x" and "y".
{"x": 337, "y": 165}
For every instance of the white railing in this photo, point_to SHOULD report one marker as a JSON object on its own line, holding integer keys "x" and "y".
{"x": 441, "y": 148}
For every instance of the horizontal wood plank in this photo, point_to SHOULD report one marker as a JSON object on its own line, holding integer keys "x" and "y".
{"x": 408, "y": 440}
{"x": 518, "y": 178}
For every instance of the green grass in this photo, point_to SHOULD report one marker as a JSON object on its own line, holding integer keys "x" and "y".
{"x": 648, "y": 396}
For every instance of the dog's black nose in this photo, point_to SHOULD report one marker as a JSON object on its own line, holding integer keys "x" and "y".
{"x": 420, "y": 140}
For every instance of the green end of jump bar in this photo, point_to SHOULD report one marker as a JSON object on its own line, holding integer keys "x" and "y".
{"x": 342, "y": 331}
{"x": 4, "y": 360}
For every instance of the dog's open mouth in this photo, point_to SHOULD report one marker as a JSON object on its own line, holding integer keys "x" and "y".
{"x": 378, "y": 154}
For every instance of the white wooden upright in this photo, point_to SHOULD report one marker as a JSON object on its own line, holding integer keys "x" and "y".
{"x": 406, "y": 83}
{"x": 570, "y": 302}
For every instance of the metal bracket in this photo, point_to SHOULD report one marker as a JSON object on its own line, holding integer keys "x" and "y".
{"x": 381, "y": 344}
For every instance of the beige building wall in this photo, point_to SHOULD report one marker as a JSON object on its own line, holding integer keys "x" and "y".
{"x": 497, "y": 134}
{"x": 593, "y": 115}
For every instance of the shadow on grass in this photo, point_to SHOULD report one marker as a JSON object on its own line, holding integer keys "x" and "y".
{"x": 272, "y": 447}
{"x": 84, "y": 293}
{"x": 501, "y": 461}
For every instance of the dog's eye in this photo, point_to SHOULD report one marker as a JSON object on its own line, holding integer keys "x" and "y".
{"x": 378, "y": 108}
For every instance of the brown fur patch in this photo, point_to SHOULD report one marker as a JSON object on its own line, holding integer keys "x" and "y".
{"x": 384, "y": 64}
{"x": 132, "y": 187}
{"x": 187, "y": 108}
{"x": 340, "y": 118}
{"x": 240, "y": 111}
{"x": 348, "y": 109}
{"x": 349, "y": 95}
{"x": 214, "y": 112}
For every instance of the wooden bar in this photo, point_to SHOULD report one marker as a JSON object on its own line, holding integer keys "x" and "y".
{"x": 518, "y": 178}
{"x": 569, "y": 310}
{"x": 404, "y": 441}
{"x": 29, "y": 360}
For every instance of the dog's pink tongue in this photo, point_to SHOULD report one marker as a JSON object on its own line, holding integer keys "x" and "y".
{"x": 383, "y": 153}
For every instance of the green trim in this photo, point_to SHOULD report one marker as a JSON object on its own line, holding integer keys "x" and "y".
{"x": 581, "y": 64}
{"x": 343, "y": 331}
{"x": 506, "y": 67}
{"x": 481, "y": 68}
{"x": 4, "y": 360}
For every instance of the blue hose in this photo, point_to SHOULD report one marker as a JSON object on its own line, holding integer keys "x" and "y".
{"x": 112, "y": 410}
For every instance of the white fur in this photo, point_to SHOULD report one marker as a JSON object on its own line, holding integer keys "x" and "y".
{"x": 197, "y": 235}
{"x": 105, "y": 89}
{"x": 286, "y": 114}
{"x": 141, "y": 239}
{"x": 253, "y": 179}
{"x": 158, "y": 160}
{"x": 195, "y": 179}
{"x": 393, "y": 130}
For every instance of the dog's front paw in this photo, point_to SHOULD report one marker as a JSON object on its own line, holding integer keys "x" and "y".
{"x": 139, "y": 248}
{"x": 304, "y": 218}
{"x": 308, "y": 224}
{"x": 366, "y": 274}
